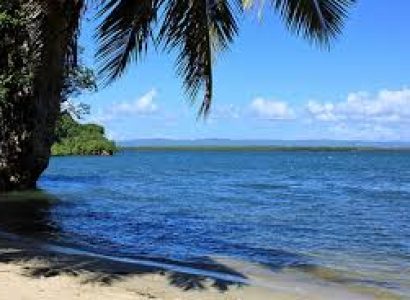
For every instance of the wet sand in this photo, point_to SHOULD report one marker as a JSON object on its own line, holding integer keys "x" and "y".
{"x": 28, "y": 270}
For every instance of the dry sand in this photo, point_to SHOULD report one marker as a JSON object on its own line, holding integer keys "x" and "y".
{"x": 28, "y": 271}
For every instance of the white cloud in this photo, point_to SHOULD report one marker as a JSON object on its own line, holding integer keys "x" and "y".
{"x": 321, "y": 112}
{"x": 271, "y": 110}
{"x": 143, "y": 106}
{"x": 381, "y": 116}
{"x": 385, "y": 106}
{"x": 384, "y": 115}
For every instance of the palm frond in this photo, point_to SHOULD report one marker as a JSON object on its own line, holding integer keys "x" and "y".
{"x": 124, "y": 34}
{"x": 316, "y": 20}
{"x": 198, "y": 30}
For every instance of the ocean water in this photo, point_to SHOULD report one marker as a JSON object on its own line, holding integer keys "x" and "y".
{"x": 342, "y": 216}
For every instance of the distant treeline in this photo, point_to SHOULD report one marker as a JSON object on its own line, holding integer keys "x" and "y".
{"x": 73, "y": 138}
{"x": 262, "y": 148}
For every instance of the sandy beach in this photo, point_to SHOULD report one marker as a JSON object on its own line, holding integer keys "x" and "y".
{"x": 30, "y": 271}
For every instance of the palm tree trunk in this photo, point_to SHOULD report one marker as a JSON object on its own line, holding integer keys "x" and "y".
{"x": 28, "y": 120}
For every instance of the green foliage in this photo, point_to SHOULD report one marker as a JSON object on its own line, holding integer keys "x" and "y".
{"x": 78, "y": 79}
{"x": 16, "y": 86}
{"x": 73, "y": 138}
{"x": 15, "y": 67}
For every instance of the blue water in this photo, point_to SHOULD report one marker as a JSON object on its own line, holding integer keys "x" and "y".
{"x": 342, "y": 210}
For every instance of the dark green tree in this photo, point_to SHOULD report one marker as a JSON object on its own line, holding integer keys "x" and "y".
{"x": 73, "y": 138}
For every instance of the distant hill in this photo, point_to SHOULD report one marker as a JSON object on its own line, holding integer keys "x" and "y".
{"x": 259, "y": 143}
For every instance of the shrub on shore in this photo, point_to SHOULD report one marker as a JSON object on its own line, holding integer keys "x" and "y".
{"x": 73, "y": 138}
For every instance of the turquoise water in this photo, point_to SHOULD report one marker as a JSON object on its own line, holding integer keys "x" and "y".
{"x": 344, "y": 211}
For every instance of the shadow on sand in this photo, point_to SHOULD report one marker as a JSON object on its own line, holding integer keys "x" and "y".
{"x": 25, "y": 219}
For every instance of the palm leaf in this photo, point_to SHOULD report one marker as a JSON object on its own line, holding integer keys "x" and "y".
{"x": 124, "y": 33}
{"x": 198, "y": 30}
{"x": 317, "y": 20}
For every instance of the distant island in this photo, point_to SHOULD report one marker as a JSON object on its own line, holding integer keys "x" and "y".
{"x": 263, "y": 148}
{"x": 249, "y": 148}
{"x": 73, "y": 138}
{"x": 261, "y": 145}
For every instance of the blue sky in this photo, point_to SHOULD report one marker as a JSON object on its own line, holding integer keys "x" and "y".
{"x": 273, "y": 85}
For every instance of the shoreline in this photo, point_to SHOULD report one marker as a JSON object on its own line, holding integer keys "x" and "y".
{"x": 82, "y": 275}
{"x": 273, "y": 148}
{"x": 33, "y": 270}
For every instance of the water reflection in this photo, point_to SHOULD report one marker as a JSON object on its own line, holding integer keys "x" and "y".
{"x": 28, "y": 213}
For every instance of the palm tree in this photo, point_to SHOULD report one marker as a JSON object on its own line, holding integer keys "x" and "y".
{"x": 197, "y": 29}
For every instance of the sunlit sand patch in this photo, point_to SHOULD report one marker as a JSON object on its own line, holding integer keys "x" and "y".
{"x": 382, "y": 278}
{"x": 308, "y": 282}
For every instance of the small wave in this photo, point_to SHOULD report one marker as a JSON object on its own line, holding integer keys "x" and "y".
{"x": 264, "y": 186}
